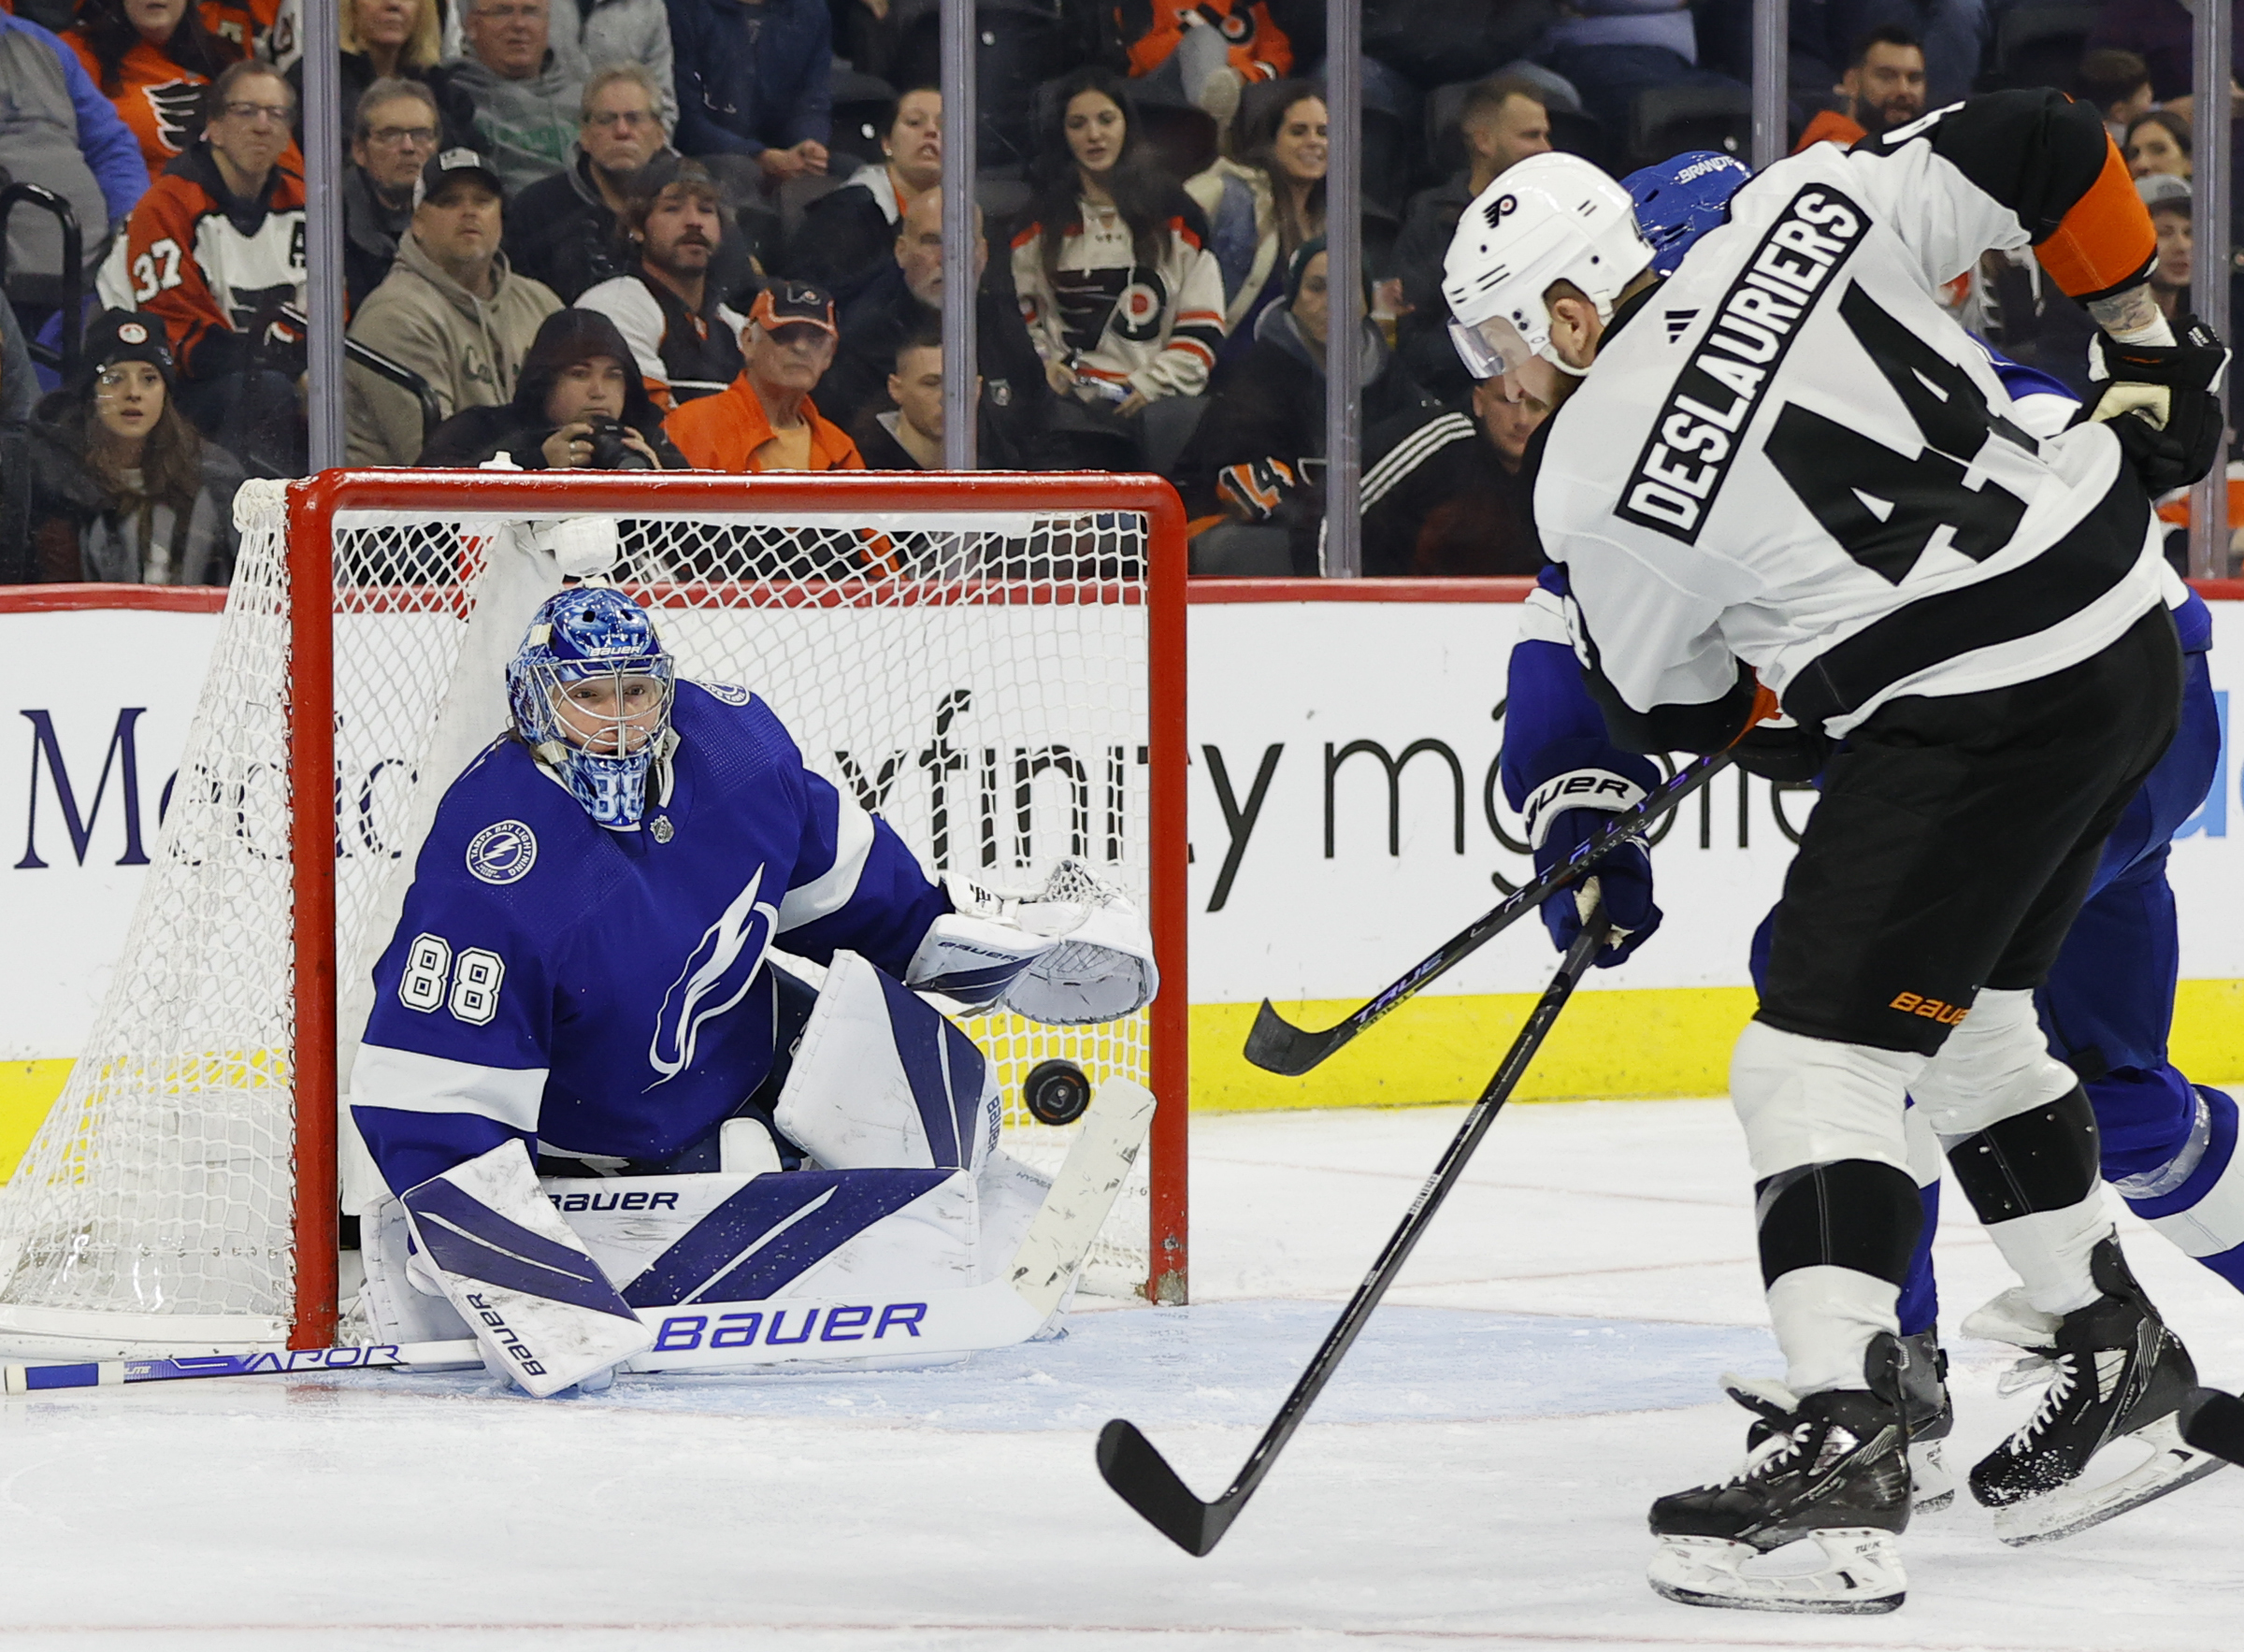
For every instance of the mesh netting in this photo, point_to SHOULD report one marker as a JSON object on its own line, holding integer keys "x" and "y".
{"x": 981, "y": 683}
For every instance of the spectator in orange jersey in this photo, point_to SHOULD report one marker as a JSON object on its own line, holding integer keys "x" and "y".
{"x": 152, "y": 59}
{"x": 765, "y": 419}
{"x": 1206, "y": 52}
{"x": 215, "y": 250}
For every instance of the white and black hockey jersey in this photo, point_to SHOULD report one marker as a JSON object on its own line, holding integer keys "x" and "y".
{"x": 1789, "y": 458}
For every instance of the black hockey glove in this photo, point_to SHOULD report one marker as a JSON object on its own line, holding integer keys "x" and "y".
{"x": 1623, "y": 877}
{"x": 1783, "y": 752}
{"x": 2163, "y": 402}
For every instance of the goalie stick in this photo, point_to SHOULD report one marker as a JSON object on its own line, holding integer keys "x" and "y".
{"x": 1276, "y": 1045}
{"x": 1008, "y": 1309}
{"x": 1142, "y": 1478}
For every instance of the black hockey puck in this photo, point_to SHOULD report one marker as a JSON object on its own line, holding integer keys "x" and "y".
{"x": 1056, "y": 1092}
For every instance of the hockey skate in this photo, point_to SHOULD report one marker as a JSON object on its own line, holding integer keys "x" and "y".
{"x": 1832, "y": 1468}
{"x": 2117, "y": 1379}
{"x": 1930, "y": 1414}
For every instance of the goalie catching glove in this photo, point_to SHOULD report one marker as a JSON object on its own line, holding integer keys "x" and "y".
{"x": 2163, "y": 402}
{"x": 1074, "y": 953}
{"x": 486, "y": 1238}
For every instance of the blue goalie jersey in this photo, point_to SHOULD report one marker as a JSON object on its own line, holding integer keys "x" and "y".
{"x": 604, "y": 993}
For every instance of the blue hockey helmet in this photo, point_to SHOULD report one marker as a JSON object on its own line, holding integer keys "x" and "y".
{"x": 591, "y": 688}
{"x": 1681, "y": 198}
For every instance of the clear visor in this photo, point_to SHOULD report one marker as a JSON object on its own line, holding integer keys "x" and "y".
{"x": 1490, "y": 349}
{"x": 611, "y": 712}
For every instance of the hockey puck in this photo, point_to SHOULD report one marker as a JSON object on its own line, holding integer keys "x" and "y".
{"x": 1056, "y": 1092}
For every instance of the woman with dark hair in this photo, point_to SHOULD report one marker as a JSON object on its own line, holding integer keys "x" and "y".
{"x": 1120, "y": 294}
{"x": 1264, "y": 200}
{"x": 849, "y": 235}
{"x": 579, "y": 404}
{"x": 152, "y": 59}
{"x": 122, "y": 488}
{"x": 2159, "y": 142}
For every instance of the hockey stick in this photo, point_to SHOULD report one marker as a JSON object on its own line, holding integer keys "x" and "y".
{"x": 1142, "y": 1478}
{"x": 103, "y": 1373}
{"x": 2213, "y": 1421}
{"x": 1276, "y": 1045}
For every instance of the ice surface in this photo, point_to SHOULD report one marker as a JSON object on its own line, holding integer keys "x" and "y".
{"x": 1476, "y": 1476}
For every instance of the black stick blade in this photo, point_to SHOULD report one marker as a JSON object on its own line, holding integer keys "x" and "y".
{"x": 1142, "y": 1478}
{"x": 1276, "y": 1045}
{"x": 2210, "y": 1421}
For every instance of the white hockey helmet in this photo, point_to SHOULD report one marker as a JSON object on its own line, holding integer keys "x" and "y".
{"x": 1549, "y": 218}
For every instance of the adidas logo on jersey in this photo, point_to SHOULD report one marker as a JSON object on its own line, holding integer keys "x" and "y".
{"x": 1694, "y": 439}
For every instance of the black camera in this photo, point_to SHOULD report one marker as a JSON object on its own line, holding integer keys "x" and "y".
{"x": 609, "y": 452}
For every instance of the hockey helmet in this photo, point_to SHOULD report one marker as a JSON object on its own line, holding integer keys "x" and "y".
{"x": 1681, "y": 198}
{"x": 1549, "y": 218}
{"x": 607, "y": 738}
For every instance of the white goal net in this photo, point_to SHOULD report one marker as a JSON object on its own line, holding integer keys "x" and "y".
{"x": 978, "y": 670}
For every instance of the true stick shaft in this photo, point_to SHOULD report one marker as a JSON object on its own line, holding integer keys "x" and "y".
{"x": 1415, "y": 1222}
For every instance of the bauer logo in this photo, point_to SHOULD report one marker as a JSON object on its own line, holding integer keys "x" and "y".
{"x": 732, "y": 693}
{"x": 777, "y": 1326}
{"x": 503, "y": 853}
{"x": 1701, "y": 426}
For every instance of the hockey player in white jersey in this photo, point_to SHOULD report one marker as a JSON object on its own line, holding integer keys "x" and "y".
{"x": 1785, "y": 476}
{"x": 578, "y": 985}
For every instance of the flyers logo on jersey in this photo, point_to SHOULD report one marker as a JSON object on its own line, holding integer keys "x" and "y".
{"x": 1694, "y": 441}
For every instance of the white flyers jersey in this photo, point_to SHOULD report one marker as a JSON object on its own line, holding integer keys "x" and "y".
{"x": 1788, "y": 455}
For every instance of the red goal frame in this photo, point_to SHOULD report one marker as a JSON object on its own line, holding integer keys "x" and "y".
{"x": 312, "y": 505}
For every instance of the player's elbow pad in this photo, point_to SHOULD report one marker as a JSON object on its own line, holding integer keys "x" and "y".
{"x": 1075, "y": 952}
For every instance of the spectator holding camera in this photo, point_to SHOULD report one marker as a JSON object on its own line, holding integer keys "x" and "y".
{"x": 122, "y": 487}
{"x": 451, "y": 309}
{"x": 1122, "y": 297}
{"x": 765, "y": 419}
{"x": 683, "y": 342}
{"x": 578, "y": 405}
{"x": 152, "y": 59}
{"x": 215, "y": 250}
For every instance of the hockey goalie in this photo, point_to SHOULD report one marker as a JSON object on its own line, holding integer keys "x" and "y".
{"x": 595, "y": 1098}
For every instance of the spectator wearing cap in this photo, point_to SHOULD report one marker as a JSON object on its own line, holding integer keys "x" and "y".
{"x": 906, "y": 298}
{"x": 755, "y": 81}
{"x": 1883, "y": 88}
{"x": 1442, "y": 493}
{"x": 151, "y": 59}
{"x": 57, "y": 131}
{"x": 528, "y": 98}
{"x": 578, "y": 388}
{"x": 215, "y": 250}
{"x": 1504, "y": 120}
{"x": 765, "y": 419}
{"x": 395, "y": 133}
{"x": 565, "y": 230}
{"x": 2169, "y": 200}
{"x": 451, "y": 310}
{"x": 122, "y": 486}
{"x": 1257, "y": 457}
{"x": 845, "y": 235}
{"x": 395, "y": 40}
{"x": 683, "y": 342}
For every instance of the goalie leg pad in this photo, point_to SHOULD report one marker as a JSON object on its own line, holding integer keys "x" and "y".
{"x": 512, "y": 1268}
{"x": 881, "y": 1081}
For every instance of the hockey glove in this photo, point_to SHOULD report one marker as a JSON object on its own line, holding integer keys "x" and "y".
{"x": 1623, "y": 878}
{"x": 2163, "y": 402}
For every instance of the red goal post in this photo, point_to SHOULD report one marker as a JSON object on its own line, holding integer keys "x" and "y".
{"x": 1003, "y": 608}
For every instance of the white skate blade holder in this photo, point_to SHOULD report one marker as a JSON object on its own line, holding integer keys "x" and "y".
{"x": 870, "y": 1331}
{"x": 1860, "y": 1573}
{"x": 2131, "y": 1470}
{"x": 1932, "y": 1484}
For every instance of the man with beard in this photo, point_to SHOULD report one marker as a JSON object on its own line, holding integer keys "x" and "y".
{"x": 686, "y": 341}
{"x": 906, "y": 297}
{"x": 1883, "y": 88}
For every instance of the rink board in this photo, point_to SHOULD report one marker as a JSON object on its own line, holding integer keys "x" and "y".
{"x": 1371, "y": 715}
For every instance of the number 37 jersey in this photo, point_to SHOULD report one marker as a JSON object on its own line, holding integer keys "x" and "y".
{"x": 1789, "y": 455}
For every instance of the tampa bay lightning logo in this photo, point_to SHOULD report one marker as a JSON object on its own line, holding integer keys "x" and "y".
{"x": 714, "y": 980}
{"x": 503, "y": 853}
{"x": 730, "y": 693}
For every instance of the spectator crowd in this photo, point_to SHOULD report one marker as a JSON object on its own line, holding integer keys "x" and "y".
{"x": 670, "y": 234}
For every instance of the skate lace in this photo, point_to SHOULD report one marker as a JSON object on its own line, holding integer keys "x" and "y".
{"x": 2060, "y": 1376}
{"x": 1772, "y": 1452}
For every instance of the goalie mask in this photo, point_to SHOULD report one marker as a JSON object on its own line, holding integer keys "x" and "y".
{"x": 590, "y": 689}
